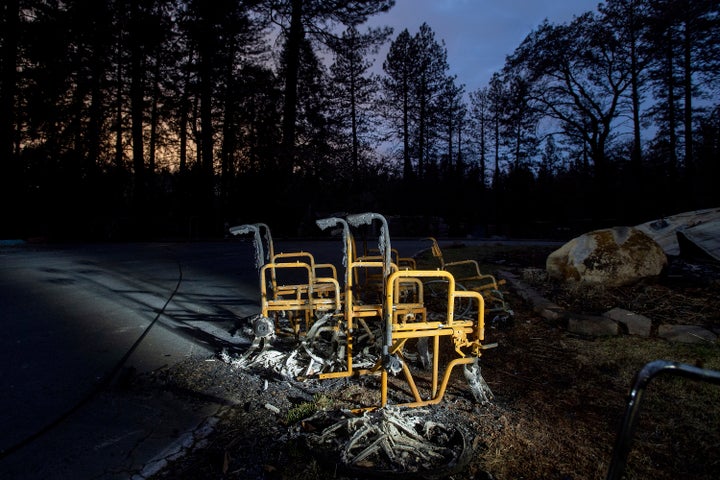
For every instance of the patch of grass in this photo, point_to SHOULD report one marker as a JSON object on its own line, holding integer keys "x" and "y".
{"x": 307, "y": 409}
{"x": 632, "y": 353}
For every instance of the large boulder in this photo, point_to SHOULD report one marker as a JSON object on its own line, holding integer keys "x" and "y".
{"x": 613, "y": 257}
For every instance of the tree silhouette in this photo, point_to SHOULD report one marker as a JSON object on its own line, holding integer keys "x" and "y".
{"x": 303, "y": 20}
{"x": 579, "y": 79}
{"x": 354, "y": 89}
{"x": 415, "y": 79}
{"x": 124, "y": 118}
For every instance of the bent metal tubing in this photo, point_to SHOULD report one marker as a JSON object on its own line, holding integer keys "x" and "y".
{"x": 385, "y": 251}
{"x": 349, "y": 309}
{"x": 397, "y": 334}
{"x": 257, "y": 241}
{"x": 632, "y": 411}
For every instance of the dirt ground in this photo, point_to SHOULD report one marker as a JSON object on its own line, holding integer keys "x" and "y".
{"x": 559, "y": 398}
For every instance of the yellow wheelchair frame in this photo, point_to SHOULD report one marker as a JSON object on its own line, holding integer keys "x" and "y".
{"x": 403, "y": 316}
{"x": 301, "y": 300}
{"x": 398, "y": 310}
{"x": 467, "y": 272}
{"x": 404, "y": 321}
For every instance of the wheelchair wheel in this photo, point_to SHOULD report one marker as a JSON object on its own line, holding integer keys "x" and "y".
{"x": 436, "y": 294}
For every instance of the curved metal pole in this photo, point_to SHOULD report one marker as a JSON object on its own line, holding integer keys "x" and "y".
{"x": 385, "y": 250}
{"x": 268, "y": 241}
{"x": 384, "y": 241}
{"x": 325, "y": 223}
{"x": 255, "y": 230}
{"x": 632, "y": 411}
{"x": 348, "y": 257}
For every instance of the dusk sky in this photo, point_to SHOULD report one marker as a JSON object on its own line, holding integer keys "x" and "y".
{"x": 478, "y": 34}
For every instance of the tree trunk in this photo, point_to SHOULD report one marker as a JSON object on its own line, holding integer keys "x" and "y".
{"x": 10, "y": 170}
{"x": 96, "y": 112}
{"x": 407, "y": 163}
{"x": 292, "y": 50}
{"x": 184, "y": 118}
{"x": 152, "y": 147}
{"x": 496, "y": 173}
{"x": 119, "y": 107}
{"x": 353, "y": 119}
{"x": 227, "y": 170}
{"x": 137, "y": 98}
{"x": 687, "y": 91}
{"x": 8, "y": 78}
{"x": 207, "y": 181}
{"x": 671, "y": 110}
{"x": 422, "y": 119}
{"x": 636, "y": 153}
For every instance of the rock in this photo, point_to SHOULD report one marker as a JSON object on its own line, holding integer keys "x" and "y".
{"x": 635, "y": 323}
{"x": 540, "y": 305}
{"x": 612, "y": 257}
{"x": 549, "y": 311}
{"x": 686, "y": 334}
{"x": 592, "y": 325}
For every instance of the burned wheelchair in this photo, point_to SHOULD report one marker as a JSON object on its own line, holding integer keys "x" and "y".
{"x": 377, "y": 323}
{"x": 468, "y": 276}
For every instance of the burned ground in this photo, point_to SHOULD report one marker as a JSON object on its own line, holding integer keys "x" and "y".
{"x": 559, "y": 398}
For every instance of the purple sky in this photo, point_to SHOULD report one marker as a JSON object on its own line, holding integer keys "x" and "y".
{"x": 478, "y": 34}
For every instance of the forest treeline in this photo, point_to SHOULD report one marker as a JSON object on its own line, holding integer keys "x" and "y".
{"x": 139, "y": 119}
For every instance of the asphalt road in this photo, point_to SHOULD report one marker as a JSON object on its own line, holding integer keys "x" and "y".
{"x": 76, "y": 318}
{"x": 70, "y": 315}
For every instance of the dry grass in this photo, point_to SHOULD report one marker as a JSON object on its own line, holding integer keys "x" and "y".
{"x": 566, "y": 399}
{"x": 564, "y": 396}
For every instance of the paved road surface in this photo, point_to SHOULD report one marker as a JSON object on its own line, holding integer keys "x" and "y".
{"x": 69, "y": 314}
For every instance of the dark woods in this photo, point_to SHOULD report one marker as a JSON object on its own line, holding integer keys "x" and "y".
{"x": 129, "y": 119}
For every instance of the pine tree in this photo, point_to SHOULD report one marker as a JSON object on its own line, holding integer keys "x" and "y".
{"x": 311, "y": 20}
{"x": 480, "y": 111}
{"x": 415, "y": 78}
{"x": 354, "y": 89}
{"x": 398, "y": 99}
